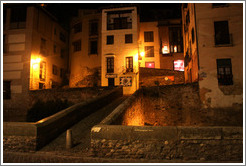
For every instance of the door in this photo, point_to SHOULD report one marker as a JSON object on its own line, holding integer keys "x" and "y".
{"x": 110, "y": 82}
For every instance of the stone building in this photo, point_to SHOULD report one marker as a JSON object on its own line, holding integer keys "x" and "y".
{"x": 120, "y": 36}
{"x": 34, "y": 54}
{"x": 213, "y": 47}
{"x": 85, "y": 49}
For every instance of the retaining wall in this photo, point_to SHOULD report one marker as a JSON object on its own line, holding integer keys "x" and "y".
{"x": 150, "y": 77}
{"x": 35, "y": 135}
{"x": 197, "y": 143}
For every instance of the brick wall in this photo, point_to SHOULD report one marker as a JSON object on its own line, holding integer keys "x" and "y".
{"x": 150, "y": 77}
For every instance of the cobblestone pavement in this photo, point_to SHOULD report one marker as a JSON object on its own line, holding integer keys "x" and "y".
{"x": 50, "y": 157}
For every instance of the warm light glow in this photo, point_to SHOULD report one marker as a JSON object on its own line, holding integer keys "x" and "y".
{"x": 136, "y": 58}
{"x": 165, "y": 49}
{"x": 142, "y": 54}
{"x": 35, "y": 61}
{"x": 179, "y": 65}
{"x": 175, "y": 48}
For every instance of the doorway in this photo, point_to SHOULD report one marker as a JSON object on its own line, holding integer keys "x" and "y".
{"x": 110, "y": 82}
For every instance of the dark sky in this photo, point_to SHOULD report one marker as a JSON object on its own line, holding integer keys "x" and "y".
{"x": 148, "y": 11}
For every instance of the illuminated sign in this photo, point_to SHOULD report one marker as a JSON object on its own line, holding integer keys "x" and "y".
{"x": 179, "y": 65}
{"x": 150, "y": 64}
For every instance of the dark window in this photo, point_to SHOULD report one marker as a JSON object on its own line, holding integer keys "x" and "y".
{"x": 216, "y": 5}
{"x": 77, "y": 46}
{"x": 122, "y": 20}
{"x": 54, "y": 48}
{"x": 6, "y": 90}
{"x": 62, "y": 37}
{"x": 128, "y": 38}
{"x": 110, "y": 65}
{"x": 61, "y": 73}
{"x": 63, "y": 51}
{"x": 43, "y": 47}
{"x": 18, "y": 17}
{"x": 222, "y": 35}
{"x": 54, "y": 69}
{"x": 4, "y": 45}
{"x": 224, "y": 72}
{"x": 93, "y": 28}
{"x": 110, "y": 40}
{"x": 41, "y": 86}
{"x": 129, "y": 64}
{"x": 42, "y": 71}
{"x": 77, "y": 27}
{"x": 193, "y": 35}
{"x": 149, "y": 36}
{"x": 175, "y": 39}
{"x": 93, "y": 46}
{"x": 149, "y": 51}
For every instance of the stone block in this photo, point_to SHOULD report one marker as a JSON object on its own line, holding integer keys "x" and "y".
{"x": 232, "y": 132}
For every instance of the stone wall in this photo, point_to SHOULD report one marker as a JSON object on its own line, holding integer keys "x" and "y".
{"x": 72, "y": 95}
{"x": 154, "y": 77}
{"x": 22, "y": 136}
{"x": 215, "y": 144}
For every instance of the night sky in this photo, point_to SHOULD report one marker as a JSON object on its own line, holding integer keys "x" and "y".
{"x": 148, "y": 11}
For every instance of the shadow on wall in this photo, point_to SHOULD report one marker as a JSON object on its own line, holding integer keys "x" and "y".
{"x": 43, "y": 109}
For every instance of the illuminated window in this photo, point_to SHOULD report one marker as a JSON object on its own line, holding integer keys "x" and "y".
{"x": 6, "y": 90}
{"x": 222, "y": 35}
{"x": 110, "y": 39}
{"x": 150, "y": 64}
{"x": 77, "y": 28}
{"x": 149, "y": 36}
{"x": 179, "y": 65}
{"x": 149, "y": 51}
{"x": 93, "y": 46}
{"x": 42, "y": 71}
{"x": 54, "y": 69}
{"x": 77, "y": 46}
{"x": 110, "y": 65}
{"x": 128, "y": 38}
{"x": 175, "y": 39}
{"x": 93, "y": 27}
{"x": 224, "y": 72}
{"x": 129, "y": 64}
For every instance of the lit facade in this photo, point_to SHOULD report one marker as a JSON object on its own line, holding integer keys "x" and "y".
{"x": 119, "y": 53}
{"x": 213, "y": 46}
{"x": 34, "y": 55}
{"x": 149, "y": 45}
{"x": 171, "y": 44}
{"x": 85, "y": 49}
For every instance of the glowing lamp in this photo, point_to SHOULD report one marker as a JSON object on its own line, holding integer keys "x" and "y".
{"x": 34, "y": 61}
{"x": 142, "y": 54}
{"x": 175, "y": 48}
{"x": 165, "y": 49}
